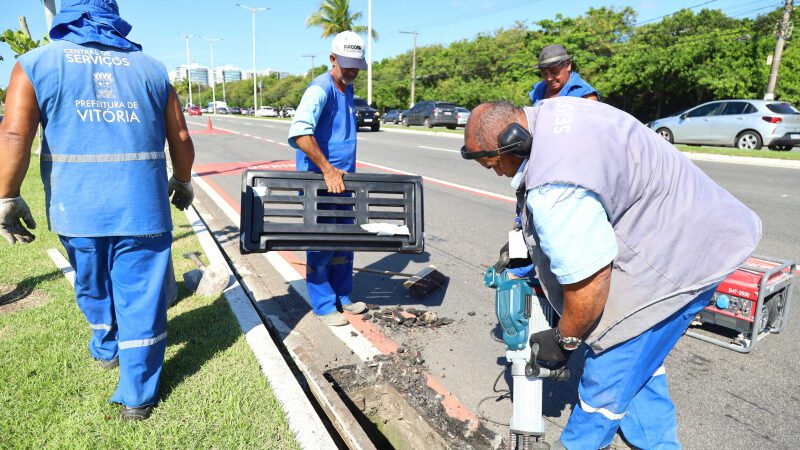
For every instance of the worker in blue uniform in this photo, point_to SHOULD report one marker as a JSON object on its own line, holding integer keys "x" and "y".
{"x": 558, "y": 79}
{"x": 106, "y": 109}
{"x": 323, "y": 132}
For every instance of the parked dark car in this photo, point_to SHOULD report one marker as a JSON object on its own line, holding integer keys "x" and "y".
{"x": 432, "y": 114}
{"x": 366, "y": 116}
{"x": 234, "y": 110}
{"x": 392, "y": 115}
{"x": 402, "y": 114}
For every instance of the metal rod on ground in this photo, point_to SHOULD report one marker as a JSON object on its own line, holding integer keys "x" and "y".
{"x": 783, "y": 31}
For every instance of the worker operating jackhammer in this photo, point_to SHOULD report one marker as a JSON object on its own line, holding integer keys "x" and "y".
{"x": 106, "y": 109}
{"x": 617, "y": 224}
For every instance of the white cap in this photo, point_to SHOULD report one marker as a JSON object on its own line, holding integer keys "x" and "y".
{"x": 349, "y": 50}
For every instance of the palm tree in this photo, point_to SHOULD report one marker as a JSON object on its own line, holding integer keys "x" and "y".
{"x": 334, "y": 17}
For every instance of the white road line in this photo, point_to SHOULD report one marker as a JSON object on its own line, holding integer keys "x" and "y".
{"x": 439, "y": 149}
{"x": 284, "y": 144}
{"x": 353, "y": 338}
{"x": 269, "y": 140}
{"x": 258, "y": 137}
{"x": 245, "y": 134}
{"x": 461, "y": 187}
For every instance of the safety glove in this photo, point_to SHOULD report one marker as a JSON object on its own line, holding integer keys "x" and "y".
{"x": 549, "y": 350}
{"x": 14, "y": 211}
{"x": 182, "y": 193}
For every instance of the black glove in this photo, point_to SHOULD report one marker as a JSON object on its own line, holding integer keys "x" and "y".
{"x": 549, "y": 348}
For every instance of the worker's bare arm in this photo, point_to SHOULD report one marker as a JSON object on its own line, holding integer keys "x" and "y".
{"x": 17, "y": 131}
{"x": 333, "y": 176}
{"x": 584, "y": 302}
{"x": 181, "y": 148}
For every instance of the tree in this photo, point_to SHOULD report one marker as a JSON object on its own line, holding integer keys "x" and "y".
{"x": 334, "y": 16}
{"x": 20, "y": 42}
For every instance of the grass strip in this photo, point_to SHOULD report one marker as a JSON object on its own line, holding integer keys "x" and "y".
{"x": 213, "y": 394}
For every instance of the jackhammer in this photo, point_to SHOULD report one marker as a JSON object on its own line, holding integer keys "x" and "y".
{"x": 522, "y": 310}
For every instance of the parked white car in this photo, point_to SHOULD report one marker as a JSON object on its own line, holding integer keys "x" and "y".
{"x": 266, "y": 111}
{"x": 745, "y": 124}
{"x": 463, "y": 116}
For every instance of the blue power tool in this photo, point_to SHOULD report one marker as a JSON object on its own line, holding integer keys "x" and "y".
{"x": 522, "y": 310}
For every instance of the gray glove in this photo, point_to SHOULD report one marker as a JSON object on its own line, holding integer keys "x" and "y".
{"x": 183, "y": 193}
{"x": 13, "y": 211}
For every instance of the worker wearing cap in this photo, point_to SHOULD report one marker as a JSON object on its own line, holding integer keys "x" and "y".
{"x": 106, "y": 109}
{"x": 617, "y": 223}
{"x": 558, "y": 79}
{"x": 323, "y": 132}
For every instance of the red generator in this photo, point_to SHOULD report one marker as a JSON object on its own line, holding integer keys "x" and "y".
{"x": 748, "y": 305}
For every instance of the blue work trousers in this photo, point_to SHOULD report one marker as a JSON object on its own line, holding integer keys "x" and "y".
{"x": 625, "y": 387}
{"x": 121, "y": 286}
{"x": 329, "y": 275}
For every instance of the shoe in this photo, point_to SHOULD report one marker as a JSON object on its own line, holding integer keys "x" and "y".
{"x": 138, "y": 413}
{"x": 107, "y": 363}
{"x": 334, "y": 319}
{"x": 355, "y": 308}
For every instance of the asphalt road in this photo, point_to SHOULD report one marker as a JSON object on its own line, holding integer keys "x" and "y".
{"x": 724, "y": 399}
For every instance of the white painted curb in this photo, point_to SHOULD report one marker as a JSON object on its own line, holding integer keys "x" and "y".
{"x": 749, "y": 160}
{"x": 309, "y": 430}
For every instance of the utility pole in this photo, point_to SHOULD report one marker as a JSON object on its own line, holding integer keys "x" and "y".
{"x": 784, "y": 30}
{"x": 312, "y": 64}
{"x": 253, "y": 11}
{"x": 213, "y": 73}
{"x": 413, "y": 64}
{"x": 49, "y": 12}
{"x": 369, "y": 52}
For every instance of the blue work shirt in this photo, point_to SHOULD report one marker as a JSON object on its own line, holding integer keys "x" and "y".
{"x": 575, "y": 87}
{"x": 329, "y": 115}
{"x": 573, "y": 229}
{"x": 103, "y": 160}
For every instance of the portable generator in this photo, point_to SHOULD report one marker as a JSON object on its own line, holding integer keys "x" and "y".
{"x": 754, "y": 301}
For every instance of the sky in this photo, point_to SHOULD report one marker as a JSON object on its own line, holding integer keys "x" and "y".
{"x": 282, "y": 37}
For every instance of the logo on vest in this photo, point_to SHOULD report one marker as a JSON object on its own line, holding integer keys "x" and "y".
{"x": 103, "y": 82}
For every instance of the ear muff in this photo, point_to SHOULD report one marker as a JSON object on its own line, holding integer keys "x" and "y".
{"x": 518, "y": 139}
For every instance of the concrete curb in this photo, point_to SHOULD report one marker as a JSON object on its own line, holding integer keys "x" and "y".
{"x": 303, "y": 420}
{"x": 751, "y": 160}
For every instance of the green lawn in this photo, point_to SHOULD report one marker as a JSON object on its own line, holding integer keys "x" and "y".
{"x": 763, "y": 153}
{"x": 53, "y": 395}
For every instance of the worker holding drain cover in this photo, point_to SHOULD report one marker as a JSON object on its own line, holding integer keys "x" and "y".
{"x": 323, "y": 132}
{"x": 620, "y": 230}
{"x": 106, "y": 109}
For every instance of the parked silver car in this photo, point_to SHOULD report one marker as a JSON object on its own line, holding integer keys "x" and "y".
{"x": 463, "y": 116}
{"x": 745, "y": 124}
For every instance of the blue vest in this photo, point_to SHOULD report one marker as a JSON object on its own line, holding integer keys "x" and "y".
{"x": 336, "y": 128}
{"x": 103, "y": 161}
{"x": 574, "y": 87}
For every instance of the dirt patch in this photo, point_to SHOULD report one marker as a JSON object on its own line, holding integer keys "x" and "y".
{"x": 406, "y": 373}
{"x": 16, "y": 298}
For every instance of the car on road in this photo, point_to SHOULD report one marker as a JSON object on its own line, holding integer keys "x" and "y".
{"x": 234, "y": 110}
{"x": 195, "y": 111}
{"x": 222, "y": 110}
{"x": 266, "y": 111}
{"x": 392, "y": 115}
{"x": 287, "y": 111}
{"x": 462, "y": 115}
{"x": 366, "y": 116}
{"x": 744, "y": 124}
{"x": 432, "y": 114}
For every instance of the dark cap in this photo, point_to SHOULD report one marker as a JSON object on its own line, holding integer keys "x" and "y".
{"x": 552, "y": 55}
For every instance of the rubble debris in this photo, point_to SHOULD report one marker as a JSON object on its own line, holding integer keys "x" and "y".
{"x": 372, "y": 306}
{"x": 366, "y": 316}
{"x": 471, "y": 313}
{"x": 354, "y": 334}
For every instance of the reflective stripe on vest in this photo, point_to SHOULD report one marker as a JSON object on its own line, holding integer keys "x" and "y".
{"x": 104, "y": 157}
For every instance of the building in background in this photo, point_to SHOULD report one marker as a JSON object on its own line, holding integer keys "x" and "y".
{"x": 200, "y": 74}
{"x": 228, "y": 73}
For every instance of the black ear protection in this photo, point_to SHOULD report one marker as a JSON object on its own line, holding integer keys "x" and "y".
{"x": 515, "y": 139}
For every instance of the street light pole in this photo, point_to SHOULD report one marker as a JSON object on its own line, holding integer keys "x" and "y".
{"x": 783, "y": 34}
{"x": 49, "y": 12}
{"x": 213, "y": 74}
{"x": 369, "y": 52}
{"x": 413, "y": 64}
{"x": 253, "y": 11}
{"x": 188, "y": 68}
{"x": 312, "y": 64}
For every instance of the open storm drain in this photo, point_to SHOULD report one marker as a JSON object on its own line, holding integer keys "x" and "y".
{"x": 392, "y": 400}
